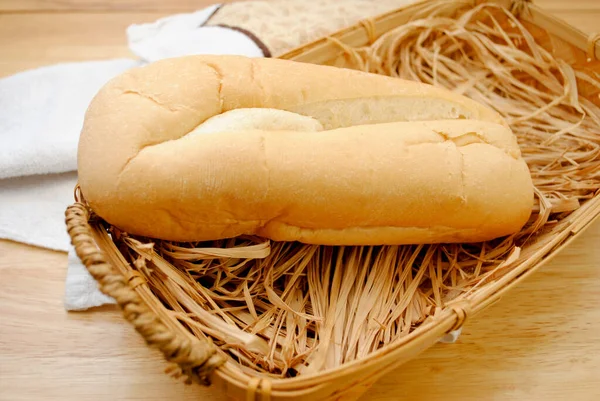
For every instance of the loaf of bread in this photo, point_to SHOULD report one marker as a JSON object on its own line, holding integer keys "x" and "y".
{"x": 209, "y": 147}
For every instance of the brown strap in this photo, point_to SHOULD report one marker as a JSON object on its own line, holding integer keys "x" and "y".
{"x": 196, "y": 358}
{"x": 217, "y": 9}
{"x": 261, "y": 45}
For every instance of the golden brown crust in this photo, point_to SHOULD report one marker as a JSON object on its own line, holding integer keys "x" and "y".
{"x": 368, "y": 178}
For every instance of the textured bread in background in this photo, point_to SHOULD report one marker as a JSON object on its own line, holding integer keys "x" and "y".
{"x": 281, "y": 25}
{"x": 345, "y": 158}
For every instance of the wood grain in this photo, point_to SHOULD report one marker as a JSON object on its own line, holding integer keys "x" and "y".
{"x": 33, "y": 40}
{"x": 46, "y": 32}
{"x": 541, "y": 342}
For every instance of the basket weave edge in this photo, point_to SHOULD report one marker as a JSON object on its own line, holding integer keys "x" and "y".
{"x": 197, "y": 359}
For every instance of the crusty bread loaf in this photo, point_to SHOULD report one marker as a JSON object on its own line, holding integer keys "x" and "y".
{"x": 210, "y": 147}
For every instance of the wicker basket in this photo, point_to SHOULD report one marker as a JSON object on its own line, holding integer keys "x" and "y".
{"x": 200, "y": 361}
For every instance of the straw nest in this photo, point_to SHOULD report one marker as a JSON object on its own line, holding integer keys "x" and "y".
{"x": 284, "y": 309}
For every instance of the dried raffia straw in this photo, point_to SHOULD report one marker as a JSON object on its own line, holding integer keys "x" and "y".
{"x": 283, "y": 309}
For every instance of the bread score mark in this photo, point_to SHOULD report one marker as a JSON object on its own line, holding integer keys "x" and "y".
{"x": 268, "y": 119}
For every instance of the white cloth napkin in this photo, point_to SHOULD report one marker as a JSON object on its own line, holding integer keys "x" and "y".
{"x": 42, "y": 112}
{"x": 32, "y": 209}
{"x": 183, "y": 34}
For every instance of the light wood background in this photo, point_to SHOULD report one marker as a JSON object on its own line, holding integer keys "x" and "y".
{"x": 541, "y": 342}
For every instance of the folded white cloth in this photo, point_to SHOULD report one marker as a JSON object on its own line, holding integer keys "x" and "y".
{"x": 32, "y": 209}
{"x": 81, "y": 290}
{"x": 42, "y": 111}
{"x": 183, "y": 34}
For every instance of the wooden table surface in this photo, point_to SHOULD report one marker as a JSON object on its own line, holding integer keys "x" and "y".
{"x": 541, "y": 342}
